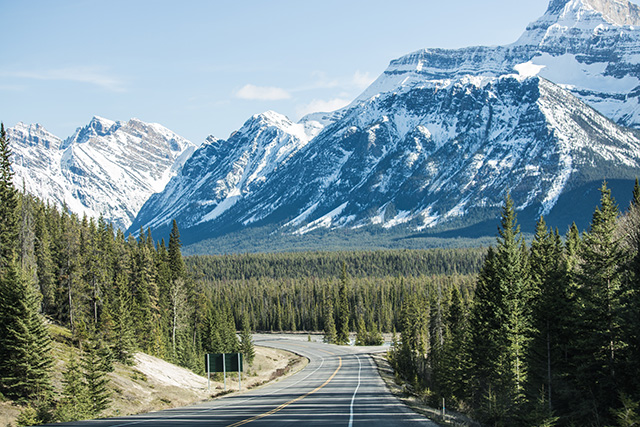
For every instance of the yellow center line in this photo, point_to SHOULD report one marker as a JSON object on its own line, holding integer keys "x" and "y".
{"x": 284, "y": 405}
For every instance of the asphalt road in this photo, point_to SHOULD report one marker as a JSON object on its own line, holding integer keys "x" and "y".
{"x": 340, "y": 386}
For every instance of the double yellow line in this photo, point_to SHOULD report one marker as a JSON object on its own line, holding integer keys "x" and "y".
{"x": 284, "y": 405}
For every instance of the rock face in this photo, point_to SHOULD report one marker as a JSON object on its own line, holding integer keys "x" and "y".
{"x": 589, "y": 47}
{"x": 437, "y": 140}
{"x": 105, "y": 168}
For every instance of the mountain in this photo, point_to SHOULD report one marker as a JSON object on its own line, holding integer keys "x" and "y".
{"x": 436, "y": 142}
{"x": 221, "y": 172}
{"x": 105, "y": 168}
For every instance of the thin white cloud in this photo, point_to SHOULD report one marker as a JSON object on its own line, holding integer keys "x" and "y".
{"x": 262, "y": 93}
{"x": 88, "y": 75}
{"x": 358, "y": 81}
{"x": 362, "y": 80}
{"x": 322, "y": 106}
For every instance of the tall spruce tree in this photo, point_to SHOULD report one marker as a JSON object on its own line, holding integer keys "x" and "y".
{"x": 455, "y": 354}
{"x": 600, "y": 324}
{"x": 551, "y": 311}
{"x": 25, "y": 345}
{"x": 45, "y": 264}
{"x": 96, "y": 364}
{"x": 8, "y": 204}
{"x": 74, "y": 404}
{"x": 501, "y": 325}
{"x": 329, "y": 321}
{"x": 630, "y": 298}
{"x": 176, "y": 263}
{"x": 25, "y": 359}
{"x": 246, "y": 342}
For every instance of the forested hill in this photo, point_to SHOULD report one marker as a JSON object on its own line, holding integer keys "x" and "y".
{"x": 358, "y": 264}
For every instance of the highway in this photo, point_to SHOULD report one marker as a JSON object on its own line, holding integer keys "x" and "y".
{"x": 340, "y": 386}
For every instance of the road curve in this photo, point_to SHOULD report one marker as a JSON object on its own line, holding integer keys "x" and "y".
{"x": 340, "y": 386}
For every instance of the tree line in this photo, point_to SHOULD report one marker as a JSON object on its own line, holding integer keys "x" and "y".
{"x": 358, "y": 264}
{"x": 550, "y": 335}
{"x": 307, "y": 304}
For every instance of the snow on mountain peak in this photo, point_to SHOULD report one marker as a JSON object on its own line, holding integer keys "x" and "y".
{"x": 272, "y": 119}
{"x": 105, "y": 168}
{"x": 580, "y": 19}
{"x": 616, "y": 12}
{"x": 34, "y": 135}
{"x": 441, "y": 134}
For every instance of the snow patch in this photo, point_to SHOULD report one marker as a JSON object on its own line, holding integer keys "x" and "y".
{"x": 223, "y": 206}
{"x": 528, "y": 69}
{"x": 323, "y": 222}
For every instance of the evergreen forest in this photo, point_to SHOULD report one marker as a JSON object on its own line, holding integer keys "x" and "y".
{"x": 549, "y": 335}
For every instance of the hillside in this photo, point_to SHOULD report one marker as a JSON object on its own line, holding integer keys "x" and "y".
{"x": 153, "y": 384}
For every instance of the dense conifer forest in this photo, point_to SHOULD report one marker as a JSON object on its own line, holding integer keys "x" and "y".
{"x": 550, "y": 335}
{"x": 116, "y": 294}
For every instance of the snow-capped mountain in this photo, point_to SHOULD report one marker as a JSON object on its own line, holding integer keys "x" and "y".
{"x": 105, "y": 168}
{"x": 589, "y": 47}
{"x": 437, "y": 140}
{"x": 220, "y": 173}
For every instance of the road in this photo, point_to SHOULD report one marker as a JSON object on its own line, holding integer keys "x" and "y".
{"x": 340, "y": 386}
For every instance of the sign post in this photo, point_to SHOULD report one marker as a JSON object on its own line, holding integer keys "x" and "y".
{"x": 208, "y": 374}
{"x": 224, "y": 370}
{"x": 217, "y": 362}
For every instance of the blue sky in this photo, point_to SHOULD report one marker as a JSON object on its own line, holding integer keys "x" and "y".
{"x": 204, "y": 67}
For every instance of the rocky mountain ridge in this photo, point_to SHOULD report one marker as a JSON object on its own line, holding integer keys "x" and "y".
{"x": 105, "y": 168}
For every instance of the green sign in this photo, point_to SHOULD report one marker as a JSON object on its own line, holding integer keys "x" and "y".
{"x": 224, "y": 362}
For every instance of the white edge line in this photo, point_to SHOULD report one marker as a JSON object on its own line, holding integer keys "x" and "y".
{"x": 353, "y": 399}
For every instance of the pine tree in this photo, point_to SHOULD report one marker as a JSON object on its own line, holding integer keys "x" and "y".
{"x": 176, "y": 263}
{"x": 95, "y": 366}
{"x": 8, "y": 204}
{"x": 246, "y": 342}
{"x": 501, "y": 325}
{"x": 74, "y": 404}
{"x": 44, "y": 260}
{"x": 178, "y": 307}
{"x": 25, "y": 359}
{"x": 629, "y": 228}
{"x": 600, "y": 325}
{"x": 361, "y": 331}
{"x": 453, "y": 381}
{"x": 635, "y": 200}
{"x": 551, "y": 311}
{"x": 329, "y": 321}
{"x": 342, "y": 336}
{"x": 123, "y": 341}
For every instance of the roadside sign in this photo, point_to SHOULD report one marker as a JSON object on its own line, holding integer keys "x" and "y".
{"x": 223, "y": 362}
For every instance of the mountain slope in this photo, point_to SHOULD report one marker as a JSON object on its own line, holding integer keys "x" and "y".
{"x": 106, "y": 168}
{"x": 423, "y": 158}
{"x": 220, "y": 173}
